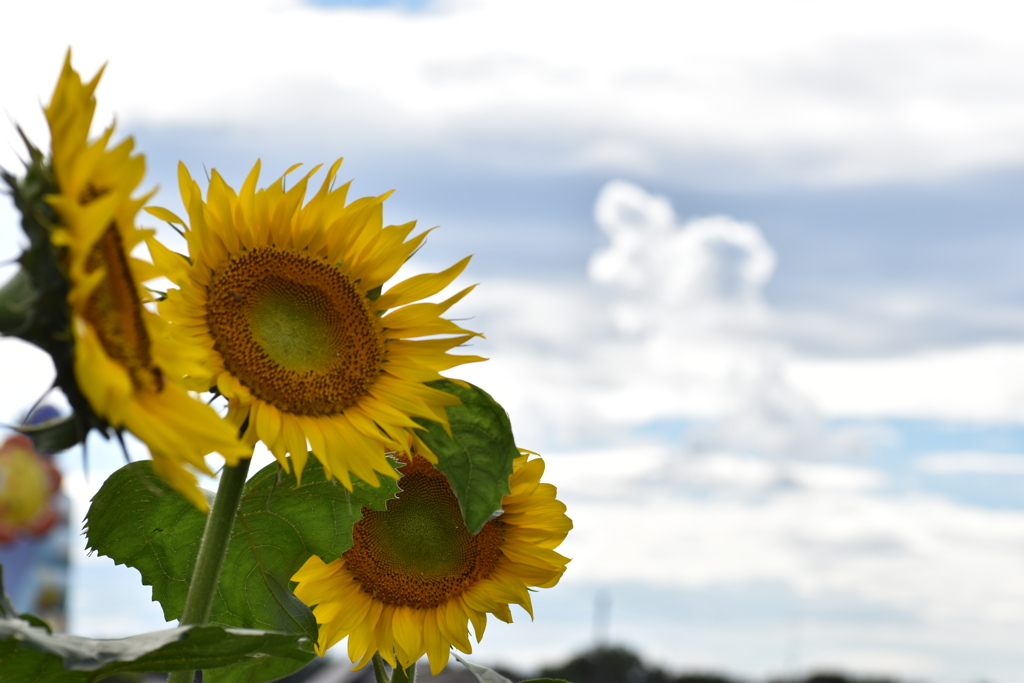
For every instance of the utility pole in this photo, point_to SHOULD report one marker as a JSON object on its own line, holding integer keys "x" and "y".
{"x": 602, "y": 617}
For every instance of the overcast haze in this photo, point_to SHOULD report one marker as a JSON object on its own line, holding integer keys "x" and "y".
{"x": 749, "y": 278}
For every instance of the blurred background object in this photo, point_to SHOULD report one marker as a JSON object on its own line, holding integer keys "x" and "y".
{"x": 34, "y": 527}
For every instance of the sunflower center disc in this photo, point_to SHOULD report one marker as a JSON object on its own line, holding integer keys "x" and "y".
{"x": 418, "y": 552}
{"x": 295, "y": 331}
{"x": 115, "y": 313}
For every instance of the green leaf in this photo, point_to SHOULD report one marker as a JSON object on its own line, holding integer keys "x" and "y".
{"x": 22, "y": 664}
{"x": 485, "y": 675}
{"x": 138, "y": 520}
{"x": 36, "y": 621}
{"x": 30, "y": 653}
{"x": 477, "y": 457}
{"x": 254, "y": 669}
{"x": 321, "y": 512}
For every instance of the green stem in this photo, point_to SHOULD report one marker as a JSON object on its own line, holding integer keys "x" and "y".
{"x": 212, "y": 549}
{"x": 378, "y": 669}
{"x": 398, "y": 674}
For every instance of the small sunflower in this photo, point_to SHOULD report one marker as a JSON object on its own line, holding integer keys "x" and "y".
{"x": 415, "y": 577}
{"x": 285, "y": 302}
{"x": 126, "y": 360}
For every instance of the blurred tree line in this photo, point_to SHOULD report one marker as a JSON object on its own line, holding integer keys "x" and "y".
{"x": 617, "y": 664}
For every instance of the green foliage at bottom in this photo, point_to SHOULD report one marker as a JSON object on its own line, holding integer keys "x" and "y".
{"x": 31, "y": 654}
{"x": 255, "y": 669}
{"x": 138, "y": 520}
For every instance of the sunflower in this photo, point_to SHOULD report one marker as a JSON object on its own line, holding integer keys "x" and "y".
{"x": 285, "y": 301}
{"x": 127, "y": 361}
{"x": 415, "y": 577}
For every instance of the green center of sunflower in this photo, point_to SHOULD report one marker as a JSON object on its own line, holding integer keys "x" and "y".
{"x": 290, "y": 324}
{"x": 114, "y": 311}
{"x": 418, "y": 552}
{"x": 295, "y": 330}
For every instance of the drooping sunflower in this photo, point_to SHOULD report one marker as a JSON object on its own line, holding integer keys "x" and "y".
{"x": 416, "y": 577}
{"x": 127, "y": 362}
{"x": 285, "y": 300}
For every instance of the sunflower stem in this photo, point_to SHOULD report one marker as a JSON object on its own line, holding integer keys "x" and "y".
{"x": 212, "y": 549}
{"x": 400, "y": 675}
{"x": 379, "y": 672}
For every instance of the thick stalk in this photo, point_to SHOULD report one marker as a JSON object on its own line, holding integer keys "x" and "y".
{"x": 378, "y": 669}
{"x": 212, "y": 549}
{"x": 398, "y": 674}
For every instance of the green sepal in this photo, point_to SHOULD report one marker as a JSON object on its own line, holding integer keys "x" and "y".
{"x": 54, "y": 436}
{"x": 477, "y": 457}
{"x": 16, "y": 299}
{"x": 34, "y": 304}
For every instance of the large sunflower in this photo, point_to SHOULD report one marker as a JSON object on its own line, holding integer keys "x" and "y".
{"x": 415, "y": 577}
{"x": 285, "y": 301}
{"x": 127, "y": 363}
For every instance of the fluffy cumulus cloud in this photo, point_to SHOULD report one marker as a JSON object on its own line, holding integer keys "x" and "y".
{"x": 706, "y": 273}
{"x": 674, "y": 326}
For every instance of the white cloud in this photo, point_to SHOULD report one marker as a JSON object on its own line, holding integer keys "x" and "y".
{"x": 838, "y": 96}
{"x": 938, "y": 560}
{"x": 983, "y": 382}
{"x": 971, "y": 462}
{"x": 730, "y": 473}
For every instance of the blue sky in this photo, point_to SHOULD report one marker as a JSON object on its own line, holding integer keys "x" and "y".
{"x": 750, "y": 283}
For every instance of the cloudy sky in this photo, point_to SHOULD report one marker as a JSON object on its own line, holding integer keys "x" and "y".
{"x": 749, "y": 277}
